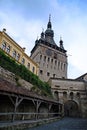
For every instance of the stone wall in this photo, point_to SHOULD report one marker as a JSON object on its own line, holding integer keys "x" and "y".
{"x": 7, "y": 75}
{"x": 66, "y": 90}
{"x": 12, "y": 78}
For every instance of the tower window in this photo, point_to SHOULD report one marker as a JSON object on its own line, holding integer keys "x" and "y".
{"x": 44, "y": 58}
{"x": 64, "y": 66}
{"x": 58, "y": 65}
{"x": 48, "y": 74}
{"x": 51, "y": 60}
{"x": 48, "y": 59}
{"x": 61, "y": 65}
{"x": 41, "y": 72}
{"x": 54, "y": 75}
{"x": 55, "y": 55}
{"x": 55, "y": 62}
{"x": 40, "y": 57}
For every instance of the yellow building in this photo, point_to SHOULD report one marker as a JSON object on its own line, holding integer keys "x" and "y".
{"x": 12, "y": 49}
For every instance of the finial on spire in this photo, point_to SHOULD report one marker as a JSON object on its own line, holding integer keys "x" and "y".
{"x": 49, "y": 17}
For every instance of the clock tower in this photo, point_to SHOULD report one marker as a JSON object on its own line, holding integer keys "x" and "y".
{"x": 51, "y": 58}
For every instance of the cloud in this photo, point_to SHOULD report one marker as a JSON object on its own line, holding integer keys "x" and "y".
{"x": 25, "y": 22}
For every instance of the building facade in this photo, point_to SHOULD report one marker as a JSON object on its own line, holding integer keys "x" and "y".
{"x": 72, "y": 93}
{"x": 12, "y": 49}
{"x": 50, "y": 57}
{"x": 52, "y": 61}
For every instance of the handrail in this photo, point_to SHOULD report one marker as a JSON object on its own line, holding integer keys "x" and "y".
{"x": 27, "y": 113}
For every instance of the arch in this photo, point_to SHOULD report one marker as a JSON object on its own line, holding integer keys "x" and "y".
{"x": 71, "y": 95}
{"x": 56, "y": 95}
{"x": 64, "y": 94}
{"x": 78, "y": 95}
{"x": 71, "y": 109}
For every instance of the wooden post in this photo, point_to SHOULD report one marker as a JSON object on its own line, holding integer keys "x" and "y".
{"x": 16, "y": 104}
{"x": 50, "y": 105}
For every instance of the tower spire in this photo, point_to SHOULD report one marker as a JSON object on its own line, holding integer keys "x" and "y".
{"x": 49, "y": 26}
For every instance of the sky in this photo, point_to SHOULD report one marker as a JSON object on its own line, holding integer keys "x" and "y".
{"x": 25, "y": 19}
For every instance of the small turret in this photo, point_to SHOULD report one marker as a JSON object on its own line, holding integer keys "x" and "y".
{"x": 36, "y": 42}
{"x": 42, "y": 34}
{"x": 61, "y": 43}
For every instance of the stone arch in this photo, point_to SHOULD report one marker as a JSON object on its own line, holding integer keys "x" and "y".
{"x": 71, "y": 109}
{"x": 78, "y": 95}
{"x": 56, "y": 95}
{"x": 64, "y": 94}
{"x": 71, "y": 95}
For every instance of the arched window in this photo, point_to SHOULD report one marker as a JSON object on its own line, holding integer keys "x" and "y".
{"x": 71, "y": 95}
{"x": 45, "y": 58}
{"x": 56, "y": 95}
{"x": 40, "y": 57}
{"x": 78, "y": 95}
{"x": 65, "y": 94}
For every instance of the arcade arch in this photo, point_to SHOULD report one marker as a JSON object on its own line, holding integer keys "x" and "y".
{"x": 71, "y": 109}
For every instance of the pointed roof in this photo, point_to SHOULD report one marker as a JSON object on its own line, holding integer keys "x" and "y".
{"x": 49, "y": 33}
{"x": 49, "y": 25}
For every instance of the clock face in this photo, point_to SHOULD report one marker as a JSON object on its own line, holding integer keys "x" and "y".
{"x": 49, "y": 52}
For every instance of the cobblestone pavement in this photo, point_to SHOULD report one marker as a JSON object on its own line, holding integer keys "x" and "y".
{"x": 64, "y": 124}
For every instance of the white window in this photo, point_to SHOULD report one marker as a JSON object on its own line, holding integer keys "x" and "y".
{"x": 8, "y": 49}
{"x": 18, "y": 57}
{"x": 14, "y": 54}
{"x": 28, "y": 65}
{"x": 3, "y": 45}
{"x": 23, "y": 61}
{"x": 33, "y": 69}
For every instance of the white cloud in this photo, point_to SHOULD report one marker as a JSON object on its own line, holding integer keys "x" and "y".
{"x": 68, "y": 22}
